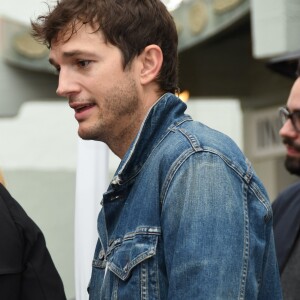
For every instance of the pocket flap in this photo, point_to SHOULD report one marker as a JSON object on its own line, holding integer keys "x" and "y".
{"x": 134, "y": 248}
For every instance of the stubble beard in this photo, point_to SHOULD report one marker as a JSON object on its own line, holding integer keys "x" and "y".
{"x": 117, "y": 110}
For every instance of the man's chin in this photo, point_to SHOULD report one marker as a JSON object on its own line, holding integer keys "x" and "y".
{"x": 292, "y": 164}
{"x": 88, "y": 135}
{"x": 84, "y": 135}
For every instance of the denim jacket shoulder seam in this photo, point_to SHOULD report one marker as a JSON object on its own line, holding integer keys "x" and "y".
{"x": 172, "y": 171}
{"x": 198, "y": 147}
{"x": 187, "y": 153}
{"x": 191, "y": 138}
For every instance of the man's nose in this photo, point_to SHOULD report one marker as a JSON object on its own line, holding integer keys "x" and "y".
{"x": 288, "y": 130}
{"x": 66, "y": 85}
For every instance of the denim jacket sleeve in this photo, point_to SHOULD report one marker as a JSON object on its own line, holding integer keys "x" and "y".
{"x": 217, "y": 232}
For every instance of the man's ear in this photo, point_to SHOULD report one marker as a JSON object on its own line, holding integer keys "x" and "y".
{"x": 152, "y": 59}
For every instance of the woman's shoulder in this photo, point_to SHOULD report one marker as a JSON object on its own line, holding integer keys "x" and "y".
{"x": 11, "y": 239}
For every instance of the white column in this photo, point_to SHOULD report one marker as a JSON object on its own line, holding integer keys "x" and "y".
{"x": 91, "y": 183}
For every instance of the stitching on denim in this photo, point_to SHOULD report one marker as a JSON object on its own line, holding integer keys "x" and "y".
{"x": 115, "y": 288}
{"x": 146, "y": 231}
{"x": 228, "y": 162}
{"x": 246, "y": 250}
{"x": 197, "y": 147}
{"x": 142, "y": 230}
{"x": 172, "y": 171}
{"x": 256, "y": 190}
{"x": 144, "y": 281}
{"x": 180, "y": 160}
{"x": 156, "y": 288}
{"x": 185, "y": 119}
{"x": 124, "y": 273}
{"x": 191, "y": 138}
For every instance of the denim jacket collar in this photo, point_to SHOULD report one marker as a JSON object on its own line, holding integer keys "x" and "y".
{"x": 155, "y": 126}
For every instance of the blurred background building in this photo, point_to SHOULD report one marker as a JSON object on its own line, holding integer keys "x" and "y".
{"x": 237, "y": 62}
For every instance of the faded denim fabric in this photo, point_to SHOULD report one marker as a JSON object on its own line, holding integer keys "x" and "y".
{"x": 185, "y": 217}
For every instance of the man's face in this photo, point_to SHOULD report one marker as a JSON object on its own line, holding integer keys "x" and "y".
{"x": 103, "y": 95}
{"x": 290, "y": 137}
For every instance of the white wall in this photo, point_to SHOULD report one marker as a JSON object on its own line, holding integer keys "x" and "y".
{"x": 23, "y": 10}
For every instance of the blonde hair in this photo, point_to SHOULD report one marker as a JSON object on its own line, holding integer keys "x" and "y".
{"x": 2, "y": 178}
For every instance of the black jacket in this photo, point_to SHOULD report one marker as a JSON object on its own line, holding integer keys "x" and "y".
{"x": 286, "y": 211}
{"x": 27, "y": 271}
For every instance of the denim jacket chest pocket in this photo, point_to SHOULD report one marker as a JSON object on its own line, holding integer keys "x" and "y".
{"x": 128, "y": 270}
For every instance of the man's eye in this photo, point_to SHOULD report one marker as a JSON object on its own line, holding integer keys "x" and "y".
{"x": 83, "y": 63}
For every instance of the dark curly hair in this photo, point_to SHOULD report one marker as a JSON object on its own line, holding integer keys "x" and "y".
{"x": 130, "y": 25}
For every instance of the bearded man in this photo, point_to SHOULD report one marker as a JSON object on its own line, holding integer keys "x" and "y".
{"x": 286, "y": 207}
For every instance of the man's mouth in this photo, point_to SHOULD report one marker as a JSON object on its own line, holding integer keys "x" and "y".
{"x": 291, "y": 145}
{"x": 81, "y": 108}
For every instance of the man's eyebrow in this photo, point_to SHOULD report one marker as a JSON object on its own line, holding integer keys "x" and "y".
{"x": 69, "y": 54}
{"x": 75, "y": 53}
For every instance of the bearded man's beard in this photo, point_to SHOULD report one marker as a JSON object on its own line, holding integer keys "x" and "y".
{"x": 292, "y": 164}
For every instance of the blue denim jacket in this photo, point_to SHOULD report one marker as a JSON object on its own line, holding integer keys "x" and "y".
{"x": 185, "y": 217}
